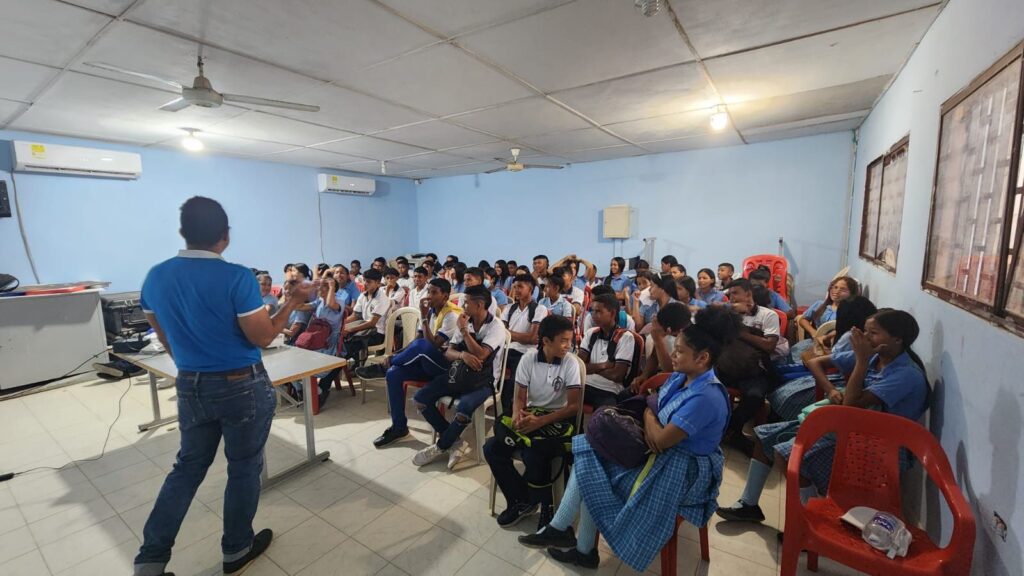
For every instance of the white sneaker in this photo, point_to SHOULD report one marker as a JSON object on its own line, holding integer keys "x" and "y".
{"x": 428, "y": 455}
{"x": 457, "y": 452}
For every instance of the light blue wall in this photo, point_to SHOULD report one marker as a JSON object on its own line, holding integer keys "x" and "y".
{"x": 977, "y": 413}
{"x": 705, "y": 207}
{"x": 91, "y": 228}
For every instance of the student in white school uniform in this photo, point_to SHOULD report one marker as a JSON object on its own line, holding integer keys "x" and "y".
{"x": 365, "y": 326}
{"x": 522, "y": 316}
{"x": 404, "y": 280}
{"x": 475, "y": 277}
{"x": 761, "y": 318}
{"x": 606, "y": 374}
{"x": 622, "y": 321}
{"x": 393, "y": 290}
{"x": 420, "y": 287}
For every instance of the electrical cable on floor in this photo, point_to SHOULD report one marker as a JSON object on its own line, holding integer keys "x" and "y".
{"x": 103, "y": 451}
{"x": 54, "y": 382}
{"x": 21, "y": 228}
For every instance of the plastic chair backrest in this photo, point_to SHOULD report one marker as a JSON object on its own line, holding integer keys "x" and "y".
{"x": 501, "y": 373}
{"x": 783, "y": 322}
{"x": 865, "y": 469}
{"x": 583, "y": 390}
{"x": 410, "y": 317}
{"x": 389, "y": 331}
{"x": 778, "y": 266}
{"x": 454, "y": 298}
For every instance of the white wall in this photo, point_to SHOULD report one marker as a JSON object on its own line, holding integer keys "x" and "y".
{"x": 101, "y": 229}
{"x": 704, "y": 206}
{"x": 977, "y": 412}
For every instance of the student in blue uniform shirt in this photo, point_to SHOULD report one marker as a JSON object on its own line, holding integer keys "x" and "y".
{"x": 884, "y": 374}
{"x": 553, "y": 299}
{"x": 706, "y": 290}
{"x": 686, "y": 288}
{"x": 617, "y": 279}
{"x": 492, "y": 281}
{"x": 761, "y": 277}
{"x": 823, "y": 311}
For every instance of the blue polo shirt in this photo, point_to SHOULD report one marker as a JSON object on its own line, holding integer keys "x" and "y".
{"x": 197, "y": 298}
{"x": 702, "y": 414}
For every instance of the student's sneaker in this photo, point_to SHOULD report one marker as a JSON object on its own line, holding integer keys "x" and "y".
{"x": 547, "y": 512}
{"x": 741, "y": 512}
{"x": 428, "y": 455}
{"x": 457, "y": 452}
{"x": 259, "y": 544}
{"x": 371, "y": 372}
{"x": 549, "y": 537}
{"x": 515, "y": 512}
{"x": 390, "y": 436}
{"x": 573, "y": 556}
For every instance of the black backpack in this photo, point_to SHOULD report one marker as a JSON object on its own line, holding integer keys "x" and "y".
{"x": 638, "y": 350}
{"x": 531, "y": 310}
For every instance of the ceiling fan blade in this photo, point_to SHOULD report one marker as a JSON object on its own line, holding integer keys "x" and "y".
{"x": 543, "y": 166}
{"x": 175, "y": 105}
{"x": 493, "y": 170}
{"x": 112, "y": 68}
{"x": 266, "y": 102}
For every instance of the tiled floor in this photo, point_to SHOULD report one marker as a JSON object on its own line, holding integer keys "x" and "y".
{"x": 365, "y": 511}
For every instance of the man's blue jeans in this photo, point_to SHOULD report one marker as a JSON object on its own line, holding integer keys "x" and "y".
{"x": 421, "y": 360}
{"x": 468, "y": 403}
{"x": 238, "y": 408}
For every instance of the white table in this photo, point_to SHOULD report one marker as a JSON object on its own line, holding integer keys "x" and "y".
{"x": 284, "y": 364}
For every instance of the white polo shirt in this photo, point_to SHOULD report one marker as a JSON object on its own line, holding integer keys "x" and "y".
{"x": 518, "y": 320}
{"x": 766, "y": 320}
{"x": 547, "y": 383}
{"x": 599, "y": 354}
{"x": 588, "y": 322}
{"x": 397, "y": 298}
{"x": 492, "y": 309}
{"x": 416, "y": 295}
{"x": 491, "y": 335}
{"x": 368, "y": 305}
{"x": 449, "y": 324}
{"x": 407, "y": 283}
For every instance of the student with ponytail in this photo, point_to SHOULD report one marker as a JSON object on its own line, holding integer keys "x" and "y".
{"x": 884, "y": 374}
{"x": 635, "y": 509}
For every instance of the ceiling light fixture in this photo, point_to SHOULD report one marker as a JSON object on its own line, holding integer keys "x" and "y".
{"x": 647, "y": 7}
{"x": 190, "y": 142}
{"x": 384, "y": 167}
{"x": 719, "y": 119}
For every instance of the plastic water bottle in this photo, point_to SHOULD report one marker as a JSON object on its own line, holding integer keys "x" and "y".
{"x": 887, "y": 533}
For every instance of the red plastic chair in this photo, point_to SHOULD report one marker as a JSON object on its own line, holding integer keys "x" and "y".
{"x": 346, "y": 370}
{"x": 778, "y": 266}
{"x": 783, "y": 323}
{"x": 865, "y": 472}
{"x": 276, "y": 291}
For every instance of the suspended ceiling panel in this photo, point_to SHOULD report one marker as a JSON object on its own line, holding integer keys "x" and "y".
{"x": 312, "y": 157}
{"x": 348, "y": 110}
{"x": 45, "y": 31}
{"x": 527, "y": 117}
{"x": 453, "y": 17}
{"x": 726, "y": 138}
{"x": 8, "y": 108}
{"x": 857, "y": 96}
{"x": 434, "y": 160}
{"x": 372, "y": 148}
{"x": 262, "y": 126}
{"x": 559, "y": 142}
{"x": 795, "y": 131}
{"x": 664, "y": 127}
{"x": 490, "y": 150}
{"x": 436, "y": 135}
{"x": 21, "y": 79}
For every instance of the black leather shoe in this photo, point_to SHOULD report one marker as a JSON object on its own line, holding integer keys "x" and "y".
{"x": 573, "y": 556}
{"x": 549, "y": 537}
{"x": 260, "y": 542}
{"x": 390, "y": 436}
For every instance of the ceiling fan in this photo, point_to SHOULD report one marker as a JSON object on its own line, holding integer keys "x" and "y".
{"x": 513, "y": 165}
{"x": 201, "y": 93}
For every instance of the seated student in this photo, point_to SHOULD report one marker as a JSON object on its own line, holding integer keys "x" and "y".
{"x": 553, "y": 299}
{"x": 523, "y": 317}
{"x": 319, "y": 270}
{"x": 503, "y": 280}
{"x": 573, "y": 263}
{"x": 636, "y": 509}
{"x": 451, "y": 259}
{"x": 667, "y": 262}
{"x": 270, "y": 302}
{"x": 640, "y": 299}
{"x": 762, "y": 318}
{"x": 420, "y": 289}
{"x": 761, "y": 277}
{"x": 431, "y": 267}
{"x": 686, "y": 288}
{"x": 346, "y": 283}
{"x": 404, "y": 279}
{"x": 392, "y": 290}
{"x": 725, "y": 273}
{"x": 540, "y": 269}
{"x": 296, "y": 274}
{"x": 706, "y": 287}
{"x": 608, "y": 361}
{"x": 574, "y": 294}
{"x": 678, "y": 271}
{"x": 492, "y": 281}
{"x": 423, "y": 359}
{"x": 790, "y": 398}
{"x": 380, "y": 264}
{"x": 365, "y": 326}
{"x": 475, "y": 277}
{"x": 663, "y": 291}
{"x": 513, "y": 269}
{"x": 617, "y": 279}
{"x": 477, "y": 343}
{"x": 665, "y": 327}
{"x": 329, "y": 306}
{"x": 459, "y": 277}
{"x": 823, "y": 311}
{"x": 547, "y": 397}
{"x": 355, "y": 270}
{"x": 884, "y": 373}
{"x": 483, "y": 264}
{"x": 623, "y": 321}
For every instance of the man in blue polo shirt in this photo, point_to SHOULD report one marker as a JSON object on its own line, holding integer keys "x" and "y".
{"x": 209, "y": 316}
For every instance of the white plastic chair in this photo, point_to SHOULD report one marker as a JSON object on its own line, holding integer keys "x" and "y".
{"x": 823, "y": 330}
{"x": 381, "y": 353}
{"x": 480, "y": 414}
{"x": 558, "y": 487}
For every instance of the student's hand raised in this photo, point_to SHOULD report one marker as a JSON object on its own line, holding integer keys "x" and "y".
{"x": 463, "y": 322}
{"x": 862, "y": 347}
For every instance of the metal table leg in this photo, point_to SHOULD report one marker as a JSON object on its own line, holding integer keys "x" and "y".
{"x": 154, "y": 398}
{"x": 312, "y": 457}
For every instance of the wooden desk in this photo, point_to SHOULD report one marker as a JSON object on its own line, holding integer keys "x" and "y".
{"x": 284, "y": 364}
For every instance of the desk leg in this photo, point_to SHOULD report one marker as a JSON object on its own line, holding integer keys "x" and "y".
{"x": 154, "y": 398}
{"x": 312, "y": 458}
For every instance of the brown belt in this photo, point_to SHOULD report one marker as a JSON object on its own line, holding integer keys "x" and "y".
{"x": 239, "y": 373}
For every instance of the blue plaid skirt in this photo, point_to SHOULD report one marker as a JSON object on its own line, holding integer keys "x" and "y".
{"x": 789, "y": 399}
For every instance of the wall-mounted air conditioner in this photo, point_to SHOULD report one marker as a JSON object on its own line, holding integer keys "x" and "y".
{"x": 334, "y": 184}
{"x": 57, "y": 159}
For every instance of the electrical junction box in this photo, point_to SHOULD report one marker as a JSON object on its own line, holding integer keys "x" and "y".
{"x": 617, "y": 221}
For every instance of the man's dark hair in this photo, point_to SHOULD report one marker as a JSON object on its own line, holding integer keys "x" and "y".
{"x": 480, "y": 294}
{"x": 741, "y": 283}
{"x": 560, "y": 271}
{"x": 401, "y": 259}
{"x": 551, "y": 326}
{"x": 669, "y": 259}
{"x": 420, "y": 270}
{"x": 451, "y": 258}
{"x": 541, "y": 257}
{"x": 762, "y": 274}
{"x": 490, "y": 272}
{"x": 390, "y": 272}
{"x": 558, "y": 281}
{"x": 601, "y": 289}
{"x": 526, "y": 279}
{"x": 372, "y": 274}
{"x": 203, "y": 222}
{"x": 762, "y": 297}
{"x": 674, "y": 316}
{"x": 609, "y": 301}
{"x": 680, "y": 266}
{"x": 728, "y": 265}
{"x": 357, "y": 263}
{"x": 642, "y": 264}
{"x": 442, "y": 284}
{"x": 475, "y": 272}
{"x": 381, "y": 259}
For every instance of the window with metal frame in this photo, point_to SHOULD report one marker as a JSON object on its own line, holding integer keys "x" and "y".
{"x": 883, "y": 206}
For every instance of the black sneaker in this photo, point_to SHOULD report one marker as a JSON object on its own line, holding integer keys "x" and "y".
{"x": 390, "y": 436}
{"x": 573, "y": 556}
{"x": 371, "y": 372}
{"x": 549, "y": 537}
{"x": 322, "y": 396}
{"x": 740, "y": 512}
{"x": 547, "y": 512}
{"x": 259, "y": 544}
{"x": 515, "y": 512}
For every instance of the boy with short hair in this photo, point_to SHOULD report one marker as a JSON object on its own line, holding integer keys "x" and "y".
{"x": 523, "y": 317}
{"x": 725, "y": 273}
{"x": 394, "y": 292}
{"x": 761, "y": 277}
{"x": 355, "y": 270}
{"x": 420, "y": 289}
{"x": 553, "y": 299}
{"x": 402, "y": 265}
{"x": 606, "y": 374}
{"x": 365, "y": 326}
{"x": 475, "y": 277}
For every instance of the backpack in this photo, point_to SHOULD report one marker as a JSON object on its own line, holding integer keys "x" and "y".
{"x": 531, "y": 310}
{"x": 315, "y": 336}
{"x": 638, "y": 350}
